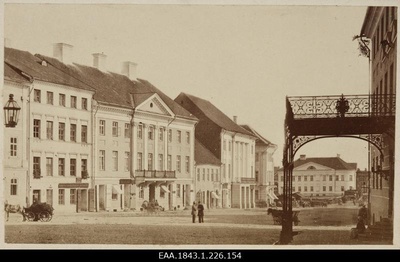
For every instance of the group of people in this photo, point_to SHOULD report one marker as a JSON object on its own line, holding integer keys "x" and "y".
{"x": 198, "y": 210}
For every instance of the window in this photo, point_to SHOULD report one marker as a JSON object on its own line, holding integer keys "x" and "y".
{"x": 36, "y": 167}
{"x": 36, "y": 128}
{"x": 61, "y": 196}
{"x": 50, "y": 98}
{"x": 179, "y": 136}
{"x": 311, "y": 188}
{"x": 169, "y": 135}
{"x": 224, "y": 145}
{"x": 61, "y": 100}
{"x": 212, "y": 174}
{"x": 127, "y": 132}
{"x": 83, "y": 165}
{"x": 84, "y": 134}
{"x": 102, "y": 160}
{"x": 13, "y": 187}
{"x": 252, "y": 149}
{"x": 330, "y": 188}
{"x": 208, "y": 174}
{"x": 178, "y": 190}
{"x": 84, "y": 103}
{"x": 299, "y": 188}
{"x": 324, "y": 188}
{"x": 127, "y": 162}
{"x": 13, "y": 146}
{"x": 73, "y": 133}
{"x": 188, "y": 137}
{"x": 305, "y": 189}
{"x": 36, "y": 94}
{"x": 161, "y": 162}
{"x": 187, "y": 161}
{"x": 73, "y": 101}
{"x": 49, "y": 130}
{"x": 229, "y": 170}
{"x": 216, "y": 175}
{"x": 198, "y": 174}
{"x": 140, "y": 131}
{"x": 178, "y": 163}
{"x": 115, "y": 128}
{"x": 61, "y": 166}
{"x": 305, "y": 178}
{"x": 150, "y": 161}
{"x": 115, "y": 160}
{"x": 139, "y": 161}
{"x": 72, "y": 196}
{"x": 299, "y": 178}
{"x": 330, "y": 178}
{"x": 311, "y": 178}
{"x": 49, "y": 166}
{"x": 342, "y": 177}
{"x": 169, "y": 162}
{"x": 72, "y": 166}
{"x": 61, "y": 131}
{"x": 161, "y": 134}
{"x": 337, "y": 178}
{"x": 102, "y": 127}
{"x": 323, "y": 178}
{"x": 230, "y": 145}
{"x": 141, "y": 192}
{"x": 204, "y": 174}
{"x": 351, "y": 178}
{"x": 342, "y": 188}
{"x": 151, "y": 133}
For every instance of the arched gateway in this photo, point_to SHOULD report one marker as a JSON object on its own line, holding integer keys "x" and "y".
{"x": 308, "y": 118}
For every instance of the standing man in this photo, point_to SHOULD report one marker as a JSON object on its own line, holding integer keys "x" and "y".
{"x": 194, "y": 212}
{"x": 200, "y": 209}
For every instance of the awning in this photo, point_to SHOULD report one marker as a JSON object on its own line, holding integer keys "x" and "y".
{"x": 165, "y": 189}
{"x": 116, "y": 190}
{"x": 272, "y": 196}
{"x": 214, "y": 195}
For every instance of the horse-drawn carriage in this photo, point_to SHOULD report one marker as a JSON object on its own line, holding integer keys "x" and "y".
{"x": 277, "y": 216}
{"x": 39, "y": 211}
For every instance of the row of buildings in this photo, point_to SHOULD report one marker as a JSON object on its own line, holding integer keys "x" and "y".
{"x": 89, "y": 139}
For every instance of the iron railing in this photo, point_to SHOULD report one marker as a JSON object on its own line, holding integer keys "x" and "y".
{"x": 155, "y": 174}
{"x": 302, "y": 107}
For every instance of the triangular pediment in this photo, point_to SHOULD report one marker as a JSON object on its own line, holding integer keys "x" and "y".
{"x": 154, "y": 104}
{"x": 312, "y": 166}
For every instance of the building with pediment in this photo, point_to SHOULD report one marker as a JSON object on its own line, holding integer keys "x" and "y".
{"x": 321, "y": 176}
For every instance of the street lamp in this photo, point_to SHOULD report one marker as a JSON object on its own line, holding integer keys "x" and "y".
{"x": 11, "y": 112}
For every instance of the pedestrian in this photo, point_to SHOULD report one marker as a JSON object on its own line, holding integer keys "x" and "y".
{"x": 194, "y": 212}
{"x": 363, "y": 214}
{"x": 200, "y": 212}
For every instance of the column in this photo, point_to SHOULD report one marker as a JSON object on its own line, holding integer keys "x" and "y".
{"x": 145, "y": 151}
{"x": 133, "y": 148}
{"x": 254, "y": 197}
{"x": 240, "y": 196}
{"x": 155, "y": 157}
{"x": 165, "y": 130}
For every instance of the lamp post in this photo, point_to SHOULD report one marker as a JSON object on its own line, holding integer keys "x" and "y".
{"x": 11, "y": 112}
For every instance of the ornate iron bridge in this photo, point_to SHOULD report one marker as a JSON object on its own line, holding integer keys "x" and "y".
{"x": 308, "y": 118}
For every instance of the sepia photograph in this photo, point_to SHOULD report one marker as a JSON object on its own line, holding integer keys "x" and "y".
{"x": 199, "y": 126}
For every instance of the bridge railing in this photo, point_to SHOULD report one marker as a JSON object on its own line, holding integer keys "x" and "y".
{"x": 342, "y": 106}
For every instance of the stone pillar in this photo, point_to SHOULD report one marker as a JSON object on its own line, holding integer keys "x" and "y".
{"x": 165, "y": 147}
{"x": 145, "y": 150}
{"x": 134, "y": 149}
{"x": 240, "y": 197}
{"x": 254, "y": 197}
{"x": 156, "y": 153}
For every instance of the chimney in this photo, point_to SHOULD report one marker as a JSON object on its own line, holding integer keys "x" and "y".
{"x": 235, "y": 119}
{"x": 7, "y": 42}
{"x": 99, "y": 61}
{"x": 63, "y": 52}
{"x": 338, "y": 155}
{"x": 302, "y": 157}
{"x": 129, "y": 70}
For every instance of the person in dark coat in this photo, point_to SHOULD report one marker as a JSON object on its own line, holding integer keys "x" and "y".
{"x": 200, "y": 212}
{"x": 194, "y": 212}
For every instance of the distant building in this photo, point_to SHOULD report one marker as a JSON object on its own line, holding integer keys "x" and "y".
{"x": 264, "y": 168}
{"x": 208, "y": 177}
{"x": 233, "y": 145}
{"x": 321, "y": 176}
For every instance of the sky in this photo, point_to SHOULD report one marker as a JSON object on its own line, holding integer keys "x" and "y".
{"x": 244, "y": 59}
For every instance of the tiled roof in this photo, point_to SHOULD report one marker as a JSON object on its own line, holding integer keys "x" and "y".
{"x": 260, "y": 138}
{"x": 212, "y": 113}
{"x": 32, "y": 65}
{"x": 203, "y": 156}
{"x": 332, "y": 162}
{"x": 116, "y": 89}
{"x": 13, "y": 74}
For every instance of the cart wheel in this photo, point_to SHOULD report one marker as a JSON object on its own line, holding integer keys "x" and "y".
{"x": 30, "y": 216}
{"x": 45, "y": 216}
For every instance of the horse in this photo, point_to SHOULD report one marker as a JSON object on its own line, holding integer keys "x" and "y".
{"x": 276, "y": 215}
{"x": 14, "y": 209}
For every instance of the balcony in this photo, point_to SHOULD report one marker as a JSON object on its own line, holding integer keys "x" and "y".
{"x": 155, "y": 174}
{"x": 247, "y": 180}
